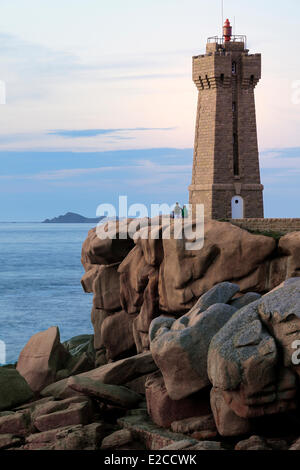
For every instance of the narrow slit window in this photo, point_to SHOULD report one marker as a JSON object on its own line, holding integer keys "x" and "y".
{"x": 233, "y": 68}
{"x": 236, "y": 169}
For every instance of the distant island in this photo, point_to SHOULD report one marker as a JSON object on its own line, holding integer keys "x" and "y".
{"x": 72, "y": 218}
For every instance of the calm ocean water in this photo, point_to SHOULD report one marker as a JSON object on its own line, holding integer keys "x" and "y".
{"x": 40, "y": 273}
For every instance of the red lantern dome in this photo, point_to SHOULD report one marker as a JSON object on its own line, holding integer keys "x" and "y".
{"x": 227, "y": 31}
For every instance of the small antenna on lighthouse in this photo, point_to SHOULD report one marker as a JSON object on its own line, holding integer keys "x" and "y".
{"x": 222, "y": 12}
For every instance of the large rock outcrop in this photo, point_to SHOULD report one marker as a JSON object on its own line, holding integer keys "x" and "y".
{"x": 149, "y": 275}
{"x": 247, "y": 355}
{"x": 279, "y": 311}
{"x": 229, "y": 254}
{"x": 250, "y": 359}
{"x": 179, "y": 347}
{"x": 225, "y": 368}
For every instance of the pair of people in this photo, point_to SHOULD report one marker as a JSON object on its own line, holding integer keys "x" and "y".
{"x": 180, "y": 212}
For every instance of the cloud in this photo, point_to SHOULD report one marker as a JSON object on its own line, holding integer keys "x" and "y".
{"x": 139, "y": 166}
{"x": 284, "y": 159}
{"x": 58, "y": 139}
{"x": 281, "y": 152}
{"x": 31, "y": 69}
{"x": 18, "y": 137}
{"x": 96, "y": 132}
{"x": 36, "y": 59}
{"x": 150, "y": 76}
{"x": 141, "y": 170}
{"x": 60, "y": 174}
{"x": 145, "y": 175}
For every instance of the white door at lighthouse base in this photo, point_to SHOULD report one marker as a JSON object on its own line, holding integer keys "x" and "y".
{"x": 237, "y": 207}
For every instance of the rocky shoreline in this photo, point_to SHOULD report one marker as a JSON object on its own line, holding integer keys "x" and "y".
{"x": 191, "y": 350}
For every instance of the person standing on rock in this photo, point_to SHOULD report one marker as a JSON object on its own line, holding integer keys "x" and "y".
{"x": 177, "y": 211}
{"x": 184, "y": 211}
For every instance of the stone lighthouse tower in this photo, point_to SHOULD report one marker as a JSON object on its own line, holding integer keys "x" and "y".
{"x": 226, "y": 175}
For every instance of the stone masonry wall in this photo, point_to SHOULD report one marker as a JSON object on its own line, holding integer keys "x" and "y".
{"x": 275, "y": 225}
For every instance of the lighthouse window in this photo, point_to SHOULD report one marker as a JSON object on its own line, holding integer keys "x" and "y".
{"x": 234, "y": 68}
{"x": 233, "y": 107}
{"x": 236, "y": 169}
{"x": 222, "y": 77}
{"x": 252, "y": 79}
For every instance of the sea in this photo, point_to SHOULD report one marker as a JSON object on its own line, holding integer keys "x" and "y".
{"x": 40, "y": 272}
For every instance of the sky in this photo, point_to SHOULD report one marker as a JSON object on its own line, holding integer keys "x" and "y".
{"x": 100, "y": 101}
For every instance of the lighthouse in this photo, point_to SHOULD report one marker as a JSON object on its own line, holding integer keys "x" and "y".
{"x": 226, "y": 173}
